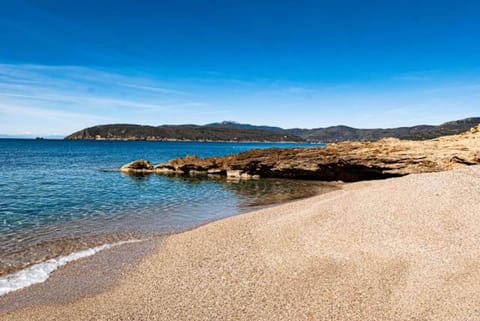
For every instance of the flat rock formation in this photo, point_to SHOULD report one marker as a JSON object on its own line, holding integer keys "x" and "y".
{"x": 346, "y": 161}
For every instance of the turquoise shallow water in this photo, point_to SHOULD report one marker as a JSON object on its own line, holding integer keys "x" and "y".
{"x": 58, "y": 196}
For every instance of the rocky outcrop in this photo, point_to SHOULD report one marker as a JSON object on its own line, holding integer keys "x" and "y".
{"x": 345, "y": 161}
{"x": 140, "y": 165}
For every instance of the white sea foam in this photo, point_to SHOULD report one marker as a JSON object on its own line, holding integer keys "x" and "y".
{"x": 40, "y": 272}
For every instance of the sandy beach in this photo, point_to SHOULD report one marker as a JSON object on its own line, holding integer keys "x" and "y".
{"x": 398, "y": 249}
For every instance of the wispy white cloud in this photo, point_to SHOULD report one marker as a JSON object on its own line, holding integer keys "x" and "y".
{"x": 73, "y": 78}
{"x": 61, "y": 99}
{"x": 419, "y": 75}
{"x": 156, "y": 89}
{"x": 45, "y": 113}
{"x": 66, "y": 94}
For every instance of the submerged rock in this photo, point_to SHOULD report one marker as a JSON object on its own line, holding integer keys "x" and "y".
{"x": 345, "y": 161}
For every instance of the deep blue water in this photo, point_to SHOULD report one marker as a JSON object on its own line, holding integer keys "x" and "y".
{"x": 53, "y": 189}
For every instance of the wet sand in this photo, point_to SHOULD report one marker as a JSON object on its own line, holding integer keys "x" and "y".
{"x": 82, "y": 278}
{"x": 399, "y": 249}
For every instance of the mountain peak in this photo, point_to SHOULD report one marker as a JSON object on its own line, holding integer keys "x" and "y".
{"x": 229, "y": 122}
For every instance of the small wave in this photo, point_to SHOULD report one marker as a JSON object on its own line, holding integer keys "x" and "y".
{"x": 40, "y": 272}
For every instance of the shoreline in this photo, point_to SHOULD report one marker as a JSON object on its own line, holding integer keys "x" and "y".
{"x": 42, "y": 271}
{"x": 390, "y": 249}
{"x": 81, "y": 278}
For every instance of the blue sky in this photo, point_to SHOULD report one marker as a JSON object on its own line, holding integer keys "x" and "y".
{"x": 65, "y": 65}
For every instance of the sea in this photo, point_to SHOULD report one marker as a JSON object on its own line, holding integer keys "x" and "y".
{"x": 61, "y": 200}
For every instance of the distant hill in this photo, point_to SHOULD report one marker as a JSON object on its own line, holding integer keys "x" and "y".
{"x": 183, "y": 133}
{"x": 232, "y": 131}
{"x": 232, "y": 124}
{"x": 420, "y": 132}
{"x": 343, "y": 133}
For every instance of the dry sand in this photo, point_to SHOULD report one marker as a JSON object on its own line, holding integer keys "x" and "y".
{"x": 400, "y": 249}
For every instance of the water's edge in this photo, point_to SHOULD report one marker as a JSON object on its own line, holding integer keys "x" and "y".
{"x": 57, "y": 199}
{"x": 41, "y": 272}
{"x": 85, "y": 277}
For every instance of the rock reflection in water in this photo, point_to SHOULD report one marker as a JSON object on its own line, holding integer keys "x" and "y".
{"x": 254, "y": 192}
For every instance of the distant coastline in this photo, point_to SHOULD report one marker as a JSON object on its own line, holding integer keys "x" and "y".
{"x": 173, "y": 140}
{"x": 162, "y": 140}
{"x": 31, "y": 137}
{"x": 236, "y": 132}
